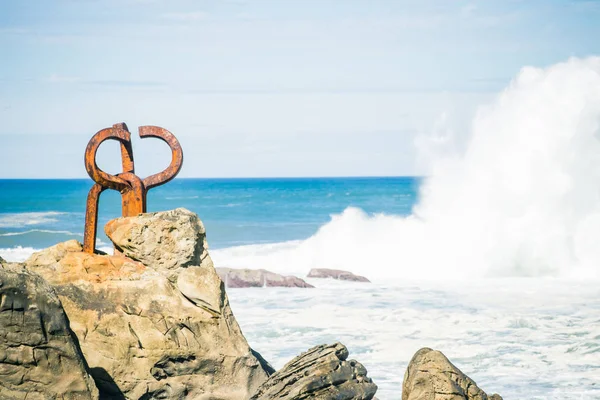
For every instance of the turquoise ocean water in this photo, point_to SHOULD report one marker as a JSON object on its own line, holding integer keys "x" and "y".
{"x": 39, "y": 213}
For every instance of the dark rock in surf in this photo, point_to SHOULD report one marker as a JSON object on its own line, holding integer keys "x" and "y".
{"x": 321, "y": 373}
{"x": 246, "y": 278}
{"x": 336, "y": 274}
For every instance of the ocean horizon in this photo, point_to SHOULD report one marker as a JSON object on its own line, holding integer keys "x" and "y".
{"x": 38, "y": 212}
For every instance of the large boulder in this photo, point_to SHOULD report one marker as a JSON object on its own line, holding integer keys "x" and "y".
{"x": 164, "y": 241}
{"x": 336, "y": 274}
{"x": 245, "y": 278}
{"x": 431, "y": 376}
{"x": 39, "y": 355}
{"x": 321, "y": 373}
{"x": 154, "y": 322}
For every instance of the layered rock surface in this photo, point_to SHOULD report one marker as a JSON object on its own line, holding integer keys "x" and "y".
{"x": 165, "y": 241}
{"x": 321, "y": 373}
{"x": 154, "y": 322}
{"x": 245, "y": 278}
{"x": 336, "y": 274}
{"x": 39, "y": 355}
{"x": 431, "y": 376}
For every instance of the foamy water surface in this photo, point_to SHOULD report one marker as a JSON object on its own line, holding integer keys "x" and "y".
{"x": 522, "y": 338}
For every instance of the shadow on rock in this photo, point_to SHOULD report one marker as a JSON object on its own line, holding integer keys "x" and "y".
{"x": 106, "y": 385}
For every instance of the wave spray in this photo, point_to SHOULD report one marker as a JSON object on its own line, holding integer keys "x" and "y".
{"x": 523, "y": 199}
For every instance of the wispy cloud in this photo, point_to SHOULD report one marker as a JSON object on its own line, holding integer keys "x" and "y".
{"x": 246, "y": 16}
{"x": 468, "y": 10}
{"x": 126, "y": 83}
{"x": 59, "y": 39}
{"x": 105, "y": 83}
{"x": 56, "y": 78}
{"x": 13, "y": 30}
{"x": 473, "y": 15}
{"x": 186, "y": 16}
{"x": 586, "y": 5}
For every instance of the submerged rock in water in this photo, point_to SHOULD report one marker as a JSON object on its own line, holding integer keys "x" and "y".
{"x": 336, "y": 274}
{"x": 39, "y": 355}
{"x": 431, "y": 376}
{"x": 321, "y": 373}
{"x": 155, "y": 322}
{"x": 245, "y": 278}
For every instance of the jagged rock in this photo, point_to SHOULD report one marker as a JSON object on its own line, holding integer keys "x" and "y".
{"x": 321, "y": 373}
{"x": 156, "y": 328}
{"x": 336, "y": 274}
{"x": 245, "y": 278}
{"x": 2, "y": 260}
{"x": 39, "y": 355}
{"x": 431, "y": 376}
{"x": 163, "y": 241}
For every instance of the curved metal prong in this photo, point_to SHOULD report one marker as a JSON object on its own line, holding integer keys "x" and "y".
{"x": 103, "y": 178}
{"x": 176, "y": 155}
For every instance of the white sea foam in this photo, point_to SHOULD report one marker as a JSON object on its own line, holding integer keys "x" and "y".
{"x": 107, "y": 249}
{"x": 19, "y": 220}
{"x": 17, "y": 254}
{"x": 50, "y": 231}
{"x": 522, "y": 199}
{"x": 522, "y": 338}
{"x": 181, "y": 197}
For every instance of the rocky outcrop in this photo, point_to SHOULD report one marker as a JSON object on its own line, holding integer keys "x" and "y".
{"x": 2, "y": 261}
{"x": 164, "y": 241}
{"x": 431, "y": 376}
{"x": 321, "y": 373}
{"x": 336, "y": 274}
{"x": 39, "y": 355}
{"x": 245, "y": 278}
{"x": 155, "y": 321}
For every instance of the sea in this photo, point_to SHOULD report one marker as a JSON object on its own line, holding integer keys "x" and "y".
{"x": 535, "y": 337}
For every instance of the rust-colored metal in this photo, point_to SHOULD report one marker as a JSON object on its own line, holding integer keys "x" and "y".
{"x": 133, "y": 189}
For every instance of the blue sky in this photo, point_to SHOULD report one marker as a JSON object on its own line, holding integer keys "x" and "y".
{"x": 264, "y": 87}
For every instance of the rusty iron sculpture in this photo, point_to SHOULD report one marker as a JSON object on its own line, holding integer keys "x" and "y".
{"x": 133, "y": 189}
